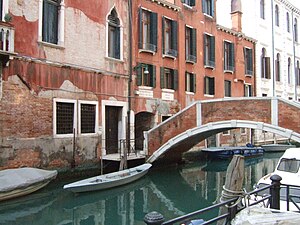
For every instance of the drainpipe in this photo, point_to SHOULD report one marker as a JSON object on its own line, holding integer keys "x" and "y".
{"x": 129, "y": 81}
{"x": 273, "y": 49}
{"x": 294, "y": 53}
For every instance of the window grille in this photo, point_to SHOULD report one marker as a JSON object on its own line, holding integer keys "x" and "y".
{"x": 64, "y": 117}
{"x": 88, "y": 118}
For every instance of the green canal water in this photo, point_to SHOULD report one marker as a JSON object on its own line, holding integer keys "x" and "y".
{"x": 172, "y": 191}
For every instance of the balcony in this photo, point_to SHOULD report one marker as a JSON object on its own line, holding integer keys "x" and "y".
{"x": 7, "y": 40}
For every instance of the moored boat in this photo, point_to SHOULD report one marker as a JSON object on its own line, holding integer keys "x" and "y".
{"x": 23, "y": 181}
{"x": 109, "y": 180}
{"x": 288, "y": 168}
{"x": 229, "y": 152}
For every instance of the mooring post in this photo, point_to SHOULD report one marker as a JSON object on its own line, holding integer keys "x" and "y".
{"x": 275, "y": 191}
{"x": 154, "y": 218}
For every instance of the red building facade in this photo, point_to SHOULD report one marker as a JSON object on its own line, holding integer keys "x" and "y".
{"x": 73, "y": 72}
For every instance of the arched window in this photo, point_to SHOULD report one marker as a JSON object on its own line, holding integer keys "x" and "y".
{"x": 263, "y": 63}
{"x": 295, "y": 30}
{"x": 113, "y": 36}
{"x": 262, "y": 9}
{"x": 288, "y": 22}
{"x": 289, "y": 70}
{"x": 277, "y": 67}
{"x": 277, "y": 15}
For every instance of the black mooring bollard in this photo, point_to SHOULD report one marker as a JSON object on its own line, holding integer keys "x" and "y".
{"x": 154, "y": 218}
{"x": 275, "y": 191}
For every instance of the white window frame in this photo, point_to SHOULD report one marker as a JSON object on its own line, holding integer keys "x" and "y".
{"x": 121, "y": 35}
{"x": 55, "y": 101}
{"x": 77, "y": 114}
{"x": 80, "y": 102}
{"x": 61, "y": 25}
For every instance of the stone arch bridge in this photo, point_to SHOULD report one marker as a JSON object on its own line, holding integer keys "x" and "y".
{"x": 205, "y": 118}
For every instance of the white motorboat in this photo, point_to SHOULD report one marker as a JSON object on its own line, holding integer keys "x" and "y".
{"x": 23, "y": 181}
{"x": 277, "y": 147}
{"x": 109, "y": 180}
{"x": 288, "y": 169}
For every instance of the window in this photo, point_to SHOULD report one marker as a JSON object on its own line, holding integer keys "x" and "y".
{"x": 1, "y": 82}
{"x": 50, "y": 21}
{"x": 114, "y": 35}
{"x": 209, "y": 51}
{"x": 188, "y": 2}
{"x": 227, "y": 87}
{"x": 243, "y": 130}
{"x": 277, "y": 15}
{"x": 209, "y": 85}
{"x": 262, "y": 9}
{"x": 277, "y": 67}
{"x": 168, "y": 78}
{"x": 226, "y": 133}
{"x": 289, "y": 70}
{"x": 265, "y": 65}
{"x": 190, "y": 45}
{"x": 247, "y": 90}
{"x": 146, "y": 75}
{"x": 288, "y": 22}
{"x": 147, "y": 30}
{"x": 190, "y": 82}
{"x": 169, "y": 36}
{"x": 295, "y": 30}
{"x": 66, "y": 117}
{"x": 3, "y": 9}
{"x": 228, "y": 56}
{"x": 208, "y": 7}
{"x": 248, "y": 61}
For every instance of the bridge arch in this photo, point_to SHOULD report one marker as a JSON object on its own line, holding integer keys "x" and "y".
{"x": 192, "y": 136}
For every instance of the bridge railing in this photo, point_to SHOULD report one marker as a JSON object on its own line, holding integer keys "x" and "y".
{"x": 269, "y": 197}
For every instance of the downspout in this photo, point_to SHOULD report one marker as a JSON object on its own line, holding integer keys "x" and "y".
{"x": 294, "y": 53}
{"x": 129, "y": 81}
{"x": 273, "y": 50}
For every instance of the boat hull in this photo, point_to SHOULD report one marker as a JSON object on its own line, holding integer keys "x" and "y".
{"x": 277, "y": 147}
{"x": 108, "y": 181}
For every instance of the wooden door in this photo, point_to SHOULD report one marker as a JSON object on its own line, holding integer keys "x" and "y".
{"x": 112, "y": 117}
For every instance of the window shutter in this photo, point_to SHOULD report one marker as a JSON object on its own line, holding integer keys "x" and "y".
{"x": 50, "y": 22}
{"x": 163, "y": 34}
{"x": 186, "y": 77}
{"x": 250, "y": 61}
{"x": 250, "y": 90}
{"x": 175, "y": 75}
{"x": 162, "y": 77}
{"x": 153, "y": 75}
{"x": 212, "y": 8}
{"x": 192, "y": 3}
{"x": 205, "y": 85}
{"x": 139, "y": 74}
{"x": 232, "y": 55}
{"x": 205, "y": 39}
{"x": 140, "y": 28}
{"x": 193, "y": 82}
{"x": 117, "y": 43}
{"x": 212, "y": 86}
{"x": 153, "y": 29}
{"x": 204, "y": 6}
{"x": 174, "y": 37}
{"x": 245, "y": 58}
{"x": 45, "y": 23}
{"x": 267, "y": 67}
{"x": 212, "y": 50}
{"x": 194, "y": 43}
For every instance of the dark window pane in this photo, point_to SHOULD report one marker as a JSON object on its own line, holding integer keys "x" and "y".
{"x": 88, "y": 118}
{"x": 64, "y": 118}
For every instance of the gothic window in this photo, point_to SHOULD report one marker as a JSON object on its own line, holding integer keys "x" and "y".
{"x": 277, "y": 67}
{"x": 114, "y": 35}
{"x": 296, "y": 30}
{"x": 262, "y": 9}
{"x": 288, "y": 22}
{"x": 277, "y": 15}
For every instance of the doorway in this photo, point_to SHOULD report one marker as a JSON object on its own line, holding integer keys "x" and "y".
{"x": 113, "y": 117}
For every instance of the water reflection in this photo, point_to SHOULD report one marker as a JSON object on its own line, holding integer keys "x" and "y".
{"x": 174, "y": 191}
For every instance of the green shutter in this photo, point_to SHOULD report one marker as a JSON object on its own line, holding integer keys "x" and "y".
{"x": 174, "y": 37}
{"x": 140, "y": 28}
{"x": 153, "y": 29}
{"x": 162, "y": 77}
{"x": 175, "y": 80}
{"x": 153, "y": 75}
{"x": 212, "y": 8}
{"x": 163, "y": 34}
{"x": 204, "y": 48}
{"x": 139, "y": 75}
{"x": 212, "y": 86}
{"x": 194, "y": 82}
{"x": 204, "y": 6}
{"x": 232, "y": 60}
{"x": 212, "y": 49}
{"x": 250, "y": 61}
{"x": 194, "y": 42}
{"x": 192, "y": 2}
{"x": 117, "y": 43}
{"x": 186, "y": 75}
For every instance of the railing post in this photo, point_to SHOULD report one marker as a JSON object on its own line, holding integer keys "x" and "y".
{"x": 275, "y": 192}
{"x": 154, "y": 218}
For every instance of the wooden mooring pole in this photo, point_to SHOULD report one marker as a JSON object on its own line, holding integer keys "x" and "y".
{"x": 233, "y": 187}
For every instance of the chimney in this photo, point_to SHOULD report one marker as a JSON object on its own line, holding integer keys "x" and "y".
{"x": 236, "y": 15}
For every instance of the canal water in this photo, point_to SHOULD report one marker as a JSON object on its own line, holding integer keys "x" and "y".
{"x": 172, "y": 191}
